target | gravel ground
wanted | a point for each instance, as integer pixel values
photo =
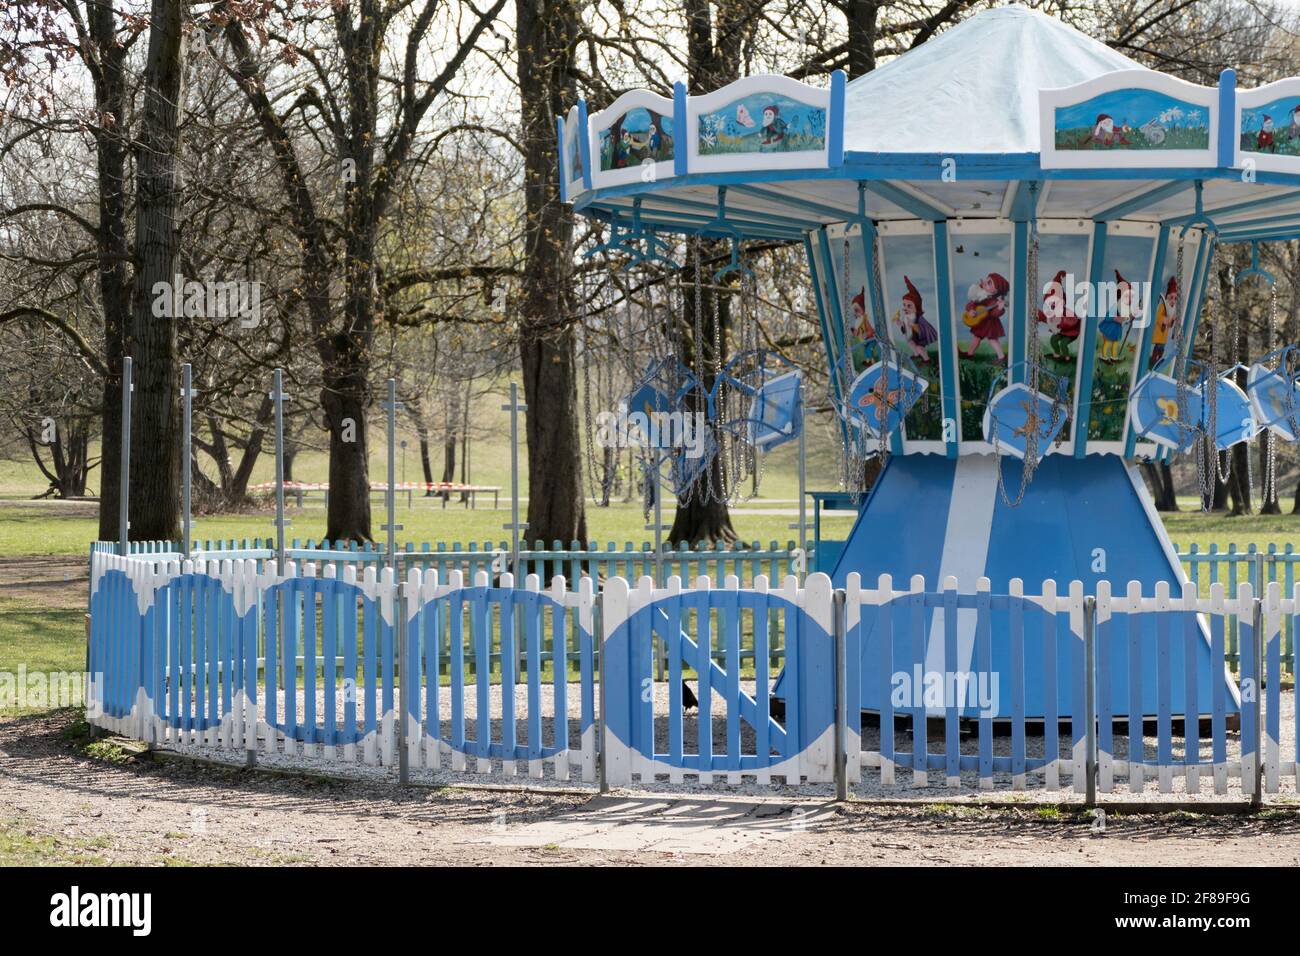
(142, 811)
(870, 786)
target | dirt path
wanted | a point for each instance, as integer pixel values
(56, 581)
(76, 808)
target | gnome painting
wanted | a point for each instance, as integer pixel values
(1272, 128)
(1062, 272)
(981, 299)
(911, 300)
(1137, 119)
(1123, 310)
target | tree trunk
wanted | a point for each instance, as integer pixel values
(556, 509)
(448, 460)
(862, 16)
(1220, 501)
(151, 341)
(422, 432)
(1161, 479)
(344, 399)
(1239, 489)
(113, 247)
(702, 516)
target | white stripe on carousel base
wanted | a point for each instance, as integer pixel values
(965, 555)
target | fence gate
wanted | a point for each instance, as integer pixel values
(708, 634)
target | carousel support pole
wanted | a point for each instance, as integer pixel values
(802, 524)
(278, 396)
(390, 491)
(390, 406)
(515, 527)
(187, 396)
(124, 490)
(656, 489)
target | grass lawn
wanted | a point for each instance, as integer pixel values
(25, 529)
(41, 639)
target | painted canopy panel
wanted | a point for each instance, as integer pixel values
(1132, 119)
(762, 123)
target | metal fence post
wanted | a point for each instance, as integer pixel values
(392, 527)
(1090, 696)
(403, 687)
(278, 396)
(802, 524)
(838, 615)
(656, 486)
(124, 492)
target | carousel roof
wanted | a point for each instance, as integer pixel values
(974, 88)
(1011, 114)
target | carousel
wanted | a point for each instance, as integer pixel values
(1010, 232)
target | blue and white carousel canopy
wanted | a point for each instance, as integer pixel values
(960, 127)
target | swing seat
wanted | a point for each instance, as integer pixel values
(1275, 400)
(653, 410)
(881, 396)
(1234, 417)
(1006, 420)
(684, 465)
(1155, 412)
(776, 411)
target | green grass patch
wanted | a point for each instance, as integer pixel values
(20, 846)
(37, 640)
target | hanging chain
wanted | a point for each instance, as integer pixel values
(1033, 352)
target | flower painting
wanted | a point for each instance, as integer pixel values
(762, 123)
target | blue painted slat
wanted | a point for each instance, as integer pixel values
(1051, 677)
(1016, 640)
(480, 614)
(311, 587)
(370, 664)
(272, 612)
(1218, 693)
(703, 660)
(330, 599)
(509, 664)
(456, 631)
(1164, 693)
(673, 608)
(560, 675)
(984, 668)
(1191, 706)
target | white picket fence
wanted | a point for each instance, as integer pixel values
(1120, 691)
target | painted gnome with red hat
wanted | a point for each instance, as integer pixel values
(916, 328)
(1062, 323)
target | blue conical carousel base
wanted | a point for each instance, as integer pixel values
(1087, 519)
